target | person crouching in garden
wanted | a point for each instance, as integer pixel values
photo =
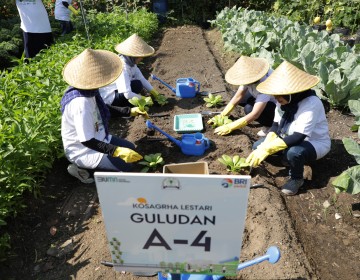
(300, 132)
(131, 83)
(247, 73)
(84, 124)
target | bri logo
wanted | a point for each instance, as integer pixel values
(236, 183)
(227, 183)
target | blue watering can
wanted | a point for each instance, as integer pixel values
(185, 87)
(191, 144)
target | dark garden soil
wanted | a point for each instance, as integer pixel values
(61, 235)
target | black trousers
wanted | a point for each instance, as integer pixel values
(35, 42)
(121, 101)
(66, 27)
(266, 118)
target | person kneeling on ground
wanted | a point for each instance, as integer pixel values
(131, 83)
(300, 129)
(84, 123)
(248, 72)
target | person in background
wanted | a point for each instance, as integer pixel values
(300, 132)
(247, 73)
(131, 82)
(62, 14)
(84, 123)
(35, 25)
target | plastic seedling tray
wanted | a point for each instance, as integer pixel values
(188, 123)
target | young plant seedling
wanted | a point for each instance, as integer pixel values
(220, 120)
(143, 103)
(152, 161)
(235, 164)
(213, 100)
(161, 99)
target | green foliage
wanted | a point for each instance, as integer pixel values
(349, 180)
(143, 103)
(201, 11)
(152, 162)
(220, 120)
(214, 100)
(10, 41)
(235, 164)
(258, 34)
(354, 106)
(342, 13)
(161, 99)
(30, 94)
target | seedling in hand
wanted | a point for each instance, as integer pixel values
(220, 120)
(143, 103)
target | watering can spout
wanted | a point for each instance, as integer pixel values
(150, 125)
(165, 84)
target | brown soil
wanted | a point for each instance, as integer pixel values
(313, 243)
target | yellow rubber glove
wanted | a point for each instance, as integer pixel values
(74, 11)
(264, 150)
(127, 154)
(154, 93)
(227, 128)
(135, 111)
(269, 137)
(225, 112)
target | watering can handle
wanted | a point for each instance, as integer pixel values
(207, 143)
(198, 85)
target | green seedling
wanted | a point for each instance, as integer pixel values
(161, 99)
(213, 100)
(235, 164)
(143, 103)
(220, 120)
(152, 161)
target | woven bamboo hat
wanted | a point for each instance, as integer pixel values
(287, 79)
(135, 46)
(92, 69)
(247, 70)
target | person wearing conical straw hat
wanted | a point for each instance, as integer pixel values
(84, 123)
(247, 73)
(300, 132)
(131, 83)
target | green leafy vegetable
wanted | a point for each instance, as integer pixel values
(220, 120)
(152, 161)
(213, 100)
(161, 99)
(143, 103)
(235, 164)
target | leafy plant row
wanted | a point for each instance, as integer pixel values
(342, 13)
(256, 33)
(29, 105)
(349, 180)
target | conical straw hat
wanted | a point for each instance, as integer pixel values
(135, 46)
(247, 70)
(92, 69)
(287, 79)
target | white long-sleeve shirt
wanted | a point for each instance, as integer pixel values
(33, 15)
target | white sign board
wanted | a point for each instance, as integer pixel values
(180, 223)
